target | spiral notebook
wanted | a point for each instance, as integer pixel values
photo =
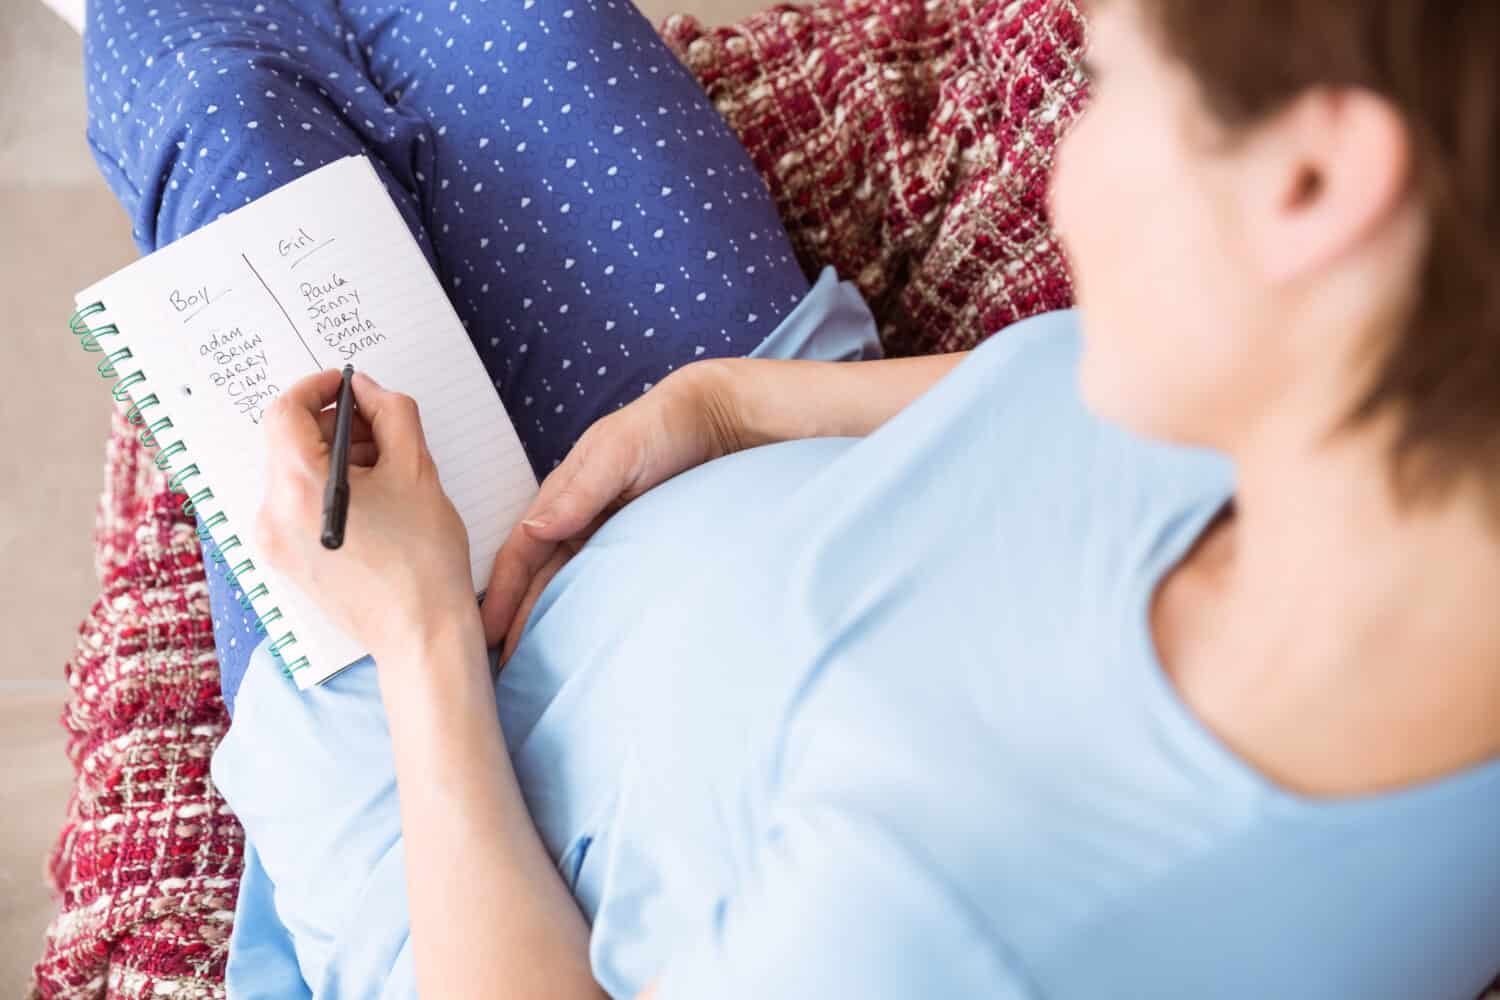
(199, 337)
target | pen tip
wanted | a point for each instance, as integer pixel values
(348, 370)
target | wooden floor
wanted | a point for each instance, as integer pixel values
(59, 230)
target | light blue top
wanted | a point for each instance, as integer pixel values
(884, 719)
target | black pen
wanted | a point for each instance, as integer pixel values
(336, 493)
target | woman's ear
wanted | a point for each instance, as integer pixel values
(1328, 173)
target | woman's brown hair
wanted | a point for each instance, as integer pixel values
(1438, 63)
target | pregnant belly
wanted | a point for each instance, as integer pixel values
(649, 648)
(716, 504)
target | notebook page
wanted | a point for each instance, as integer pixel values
(319, 273)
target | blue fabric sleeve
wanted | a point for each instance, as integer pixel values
(323, 898)
(265, 968)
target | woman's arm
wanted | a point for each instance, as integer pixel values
(769, 400)
(489, 914)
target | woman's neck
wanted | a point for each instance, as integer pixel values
(1339, 643)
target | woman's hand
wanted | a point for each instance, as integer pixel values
(403, 569)
(685, 420)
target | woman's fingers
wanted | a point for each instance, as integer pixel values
(395, 425)
(363, 453)
(544, 575)
(291, 422)
(604, 461)
(523, 552)
(359, 428)
(510, 615)
(586, 483)
(301, 422)
(556, 481)
(520, 558)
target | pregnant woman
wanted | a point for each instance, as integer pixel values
(1144, 652)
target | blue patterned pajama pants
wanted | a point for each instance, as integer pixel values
(592, 218)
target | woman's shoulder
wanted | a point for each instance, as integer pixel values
(1050, 341)
(1020, 397)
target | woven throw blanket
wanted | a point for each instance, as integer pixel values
(907, 142)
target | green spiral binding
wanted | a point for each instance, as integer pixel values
(121, 388)
(148, 435)
(88, 337)
(182, 475)
(190, 505)
(133, 414)
(108, 368)
(163, 459)
(106, 365)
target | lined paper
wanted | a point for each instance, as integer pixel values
(317, 274)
